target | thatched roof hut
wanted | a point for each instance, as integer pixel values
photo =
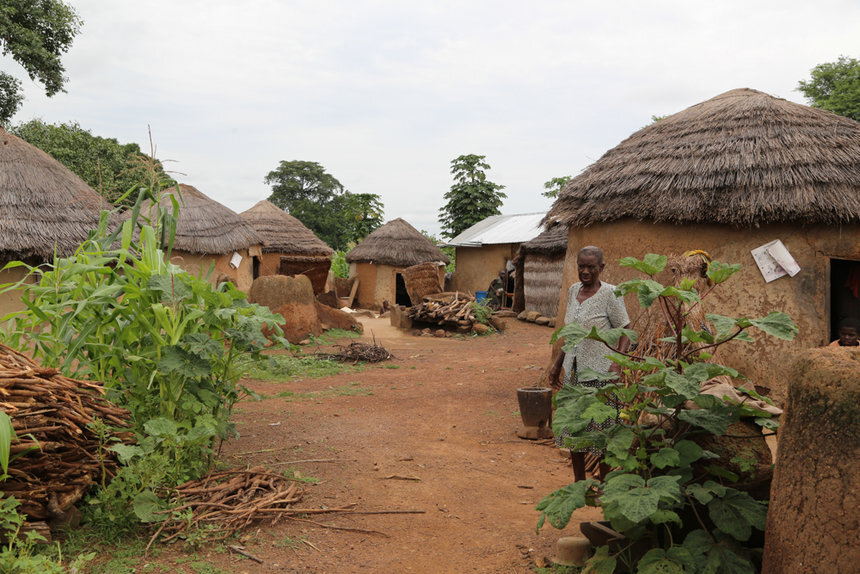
(209, 233)
(727, 176)
(396, 243)
(289, 248)
(539, 267)
(44, 206)
(206, 226)
(743, 158)
(283, 233)
(377, 263)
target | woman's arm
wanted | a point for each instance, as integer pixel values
(554, 373)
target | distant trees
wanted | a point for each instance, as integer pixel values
(554, 186)
(317, 199)
(471, 198)
(835, 86)
(109, 167)
(36, 35)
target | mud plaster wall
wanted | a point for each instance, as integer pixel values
(804, 297)
(813, 525)
(11, 300)
(377, 283)
(194, 262)
(476, 267)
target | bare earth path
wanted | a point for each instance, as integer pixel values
(434, 431)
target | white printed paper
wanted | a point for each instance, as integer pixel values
(774, 261)
(235, 260)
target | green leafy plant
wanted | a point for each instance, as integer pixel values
(482, 312)
(677, 505)
(339, 265)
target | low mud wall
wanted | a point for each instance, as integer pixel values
(813, 525)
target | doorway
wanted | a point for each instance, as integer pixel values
(844, 293)
(401, 295)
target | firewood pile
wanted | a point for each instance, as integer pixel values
(445, 309)
(355, 352)
(62, 455)
(227, 501)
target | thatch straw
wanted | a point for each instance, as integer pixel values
(542, 279)
(553, 241)
(396, 243)
(283, 233)
(741, 158)
(43, 204)
(207, 227)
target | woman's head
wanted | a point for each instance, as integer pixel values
(849, 332)
(589, 263)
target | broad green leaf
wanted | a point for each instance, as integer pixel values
(725, 326)
(126, 452)
(569, 413)
(572, 333)
(713, 422)
(656, 561)
(688, 451)
(767, 423)
(721, 472)
(688, 297)
(705, 492)
(737, 513)
(701, 372)
(635, 504)
(558, 506)
(619, 441)
(586, 374)
(599, 412)
(601, 562)
(719, 272)
(665, 457)
(7, 435)
(176, 360)
(664, 516)
(681, 384)
(612, 336)
(651, 264)
(777, 324)
(147, 506)
(160, 426)
(692, 336)
(666, 487)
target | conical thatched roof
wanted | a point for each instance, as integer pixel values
(741, 158)
(283, 233)
(396, 243)
(551, 241)
(207, 227)
(43, 204)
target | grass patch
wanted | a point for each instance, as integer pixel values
(286, 367)
(333, 335)
(350, 390)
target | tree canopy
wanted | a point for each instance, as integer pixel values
(835, 87)
(36, 33)
(109, 167)
(554, 186)
(471, 198)
(317, 199)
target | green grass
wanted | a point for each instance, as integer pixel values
(285, 367)
(350, 390)
(333, 335)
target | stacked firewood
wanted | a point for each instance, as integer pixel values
(445, 309)
(58, 454)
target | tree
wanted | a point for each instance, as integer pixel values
(472, 197)
(106, 165)
(320, 202)
(554, 186)
(835, 87)
(36, 33)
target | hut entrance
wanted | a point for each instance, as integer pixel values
(255, 267)
(844, 293)
(401, 295)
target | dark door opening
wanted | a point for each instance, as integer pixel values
(255, 267)
(844, 293)
(401, 295)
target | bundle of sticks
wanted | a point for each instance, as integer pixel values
(355, 352)
(451, 309)
(57, 456)
(227, 501)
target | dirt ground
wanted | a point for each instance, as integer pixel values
(433, 431)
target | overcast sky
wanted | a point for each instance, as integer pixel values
(384, 94)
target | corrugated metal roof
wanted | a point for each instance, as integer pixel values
(501, 229)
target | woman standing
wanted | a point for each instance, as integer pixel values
(591, 303)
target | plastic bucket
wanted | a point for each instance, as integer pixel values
(481, 296)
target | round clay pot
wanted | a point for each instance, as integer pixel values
(535, 406)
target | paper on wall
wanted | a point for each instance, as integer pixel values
(235, 260)
(774, 261)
